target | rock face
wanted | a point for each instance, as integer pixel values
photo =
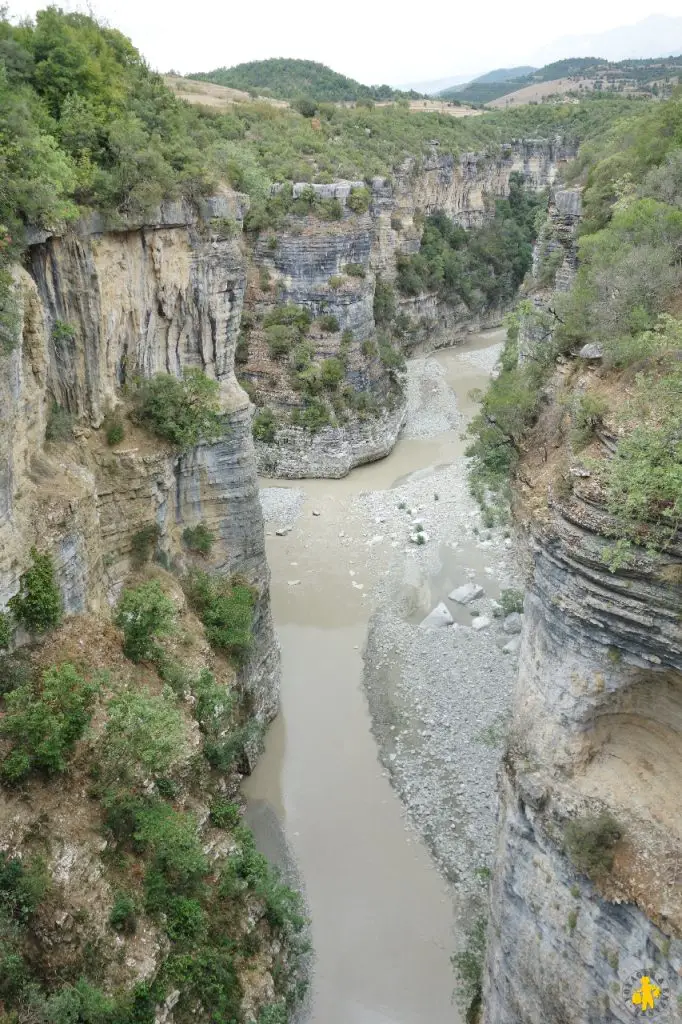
(597, 730)
(100, 308)
(306, 264)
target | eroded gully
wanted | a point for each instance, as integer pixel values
(382, 914)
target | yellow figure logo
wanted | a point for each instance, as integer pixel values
(646, 995)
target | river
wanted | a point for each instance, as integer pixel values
(382, 914)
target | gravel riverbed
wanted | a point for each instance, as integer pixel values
(440, 698)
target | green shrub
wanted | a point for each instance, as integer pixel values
(114, 431)
(264, 279)
(305, 106)
(511, 601)
(23, 884)
(328, 323)
(301, 357)
(265, 425)
(16, 670)
(468, 965)
(144, 736)
(226, 609)
(172, 840)
(328, 209)
(355, 270)
(123, 915)
(144, 613)
(587, 416)
(185, 918)
(199, 538)
(213, 704)
(281, 339)
(589, 842)
(331, 373)
(59, 426)
(396, 222)
(384, 302)
(62, 333)
(38, 605)
(6, 634)
(358, 200)
(313, 417)
(143, 543)
(225, 814)
(183, 410)
(391, 357)
(335, 281)
(45, 720)
(369, 348)
(285, 327)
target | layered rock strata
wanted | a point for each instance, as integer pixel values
(597, 731)
(306, 264)
(98, 309)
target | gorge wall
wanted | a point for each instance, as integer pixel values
(159, 297)
(308, 262)
(597, 729)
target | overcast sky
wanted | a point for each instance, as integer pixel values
(374, 42)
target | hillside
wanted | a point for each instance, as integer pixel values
(287, 78)
(645, 77)
(503, 75)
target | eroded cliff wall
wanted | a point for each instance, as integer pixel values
(159, 297)
(597, 730)
(307, 263)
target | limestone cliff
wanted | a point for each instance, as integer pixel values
(308, 262)
(597, 730)
(162, 296)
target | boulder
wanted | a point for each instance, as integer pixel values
(513, 624)
(513, 646)
(591, 351)
(440, 616)
(480, 622)
(466, 594)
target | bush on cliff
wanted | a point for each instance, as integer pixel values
(590, 842)
(44, 720)
(265, 426)
(183, 410)
(38, 605)
(226, 607)
(144, 613)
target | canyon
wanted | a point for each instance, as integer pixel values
(595, 716)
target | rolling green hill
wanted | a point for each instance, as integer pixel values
(287, 78)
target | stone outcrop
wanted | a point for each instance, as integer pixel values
(99, 308)
(597, 730)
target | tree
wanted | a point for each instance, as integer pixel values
(38, 605)
(144, 613)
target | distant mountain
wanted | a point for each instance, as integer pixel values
(654, 76)
(659, 35)
(503, 75)
(436, 85)
(287, 78)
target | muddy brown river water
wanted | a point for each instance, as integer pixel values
(382, 915)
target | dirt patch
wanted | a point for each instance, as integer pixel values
(207, 94)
